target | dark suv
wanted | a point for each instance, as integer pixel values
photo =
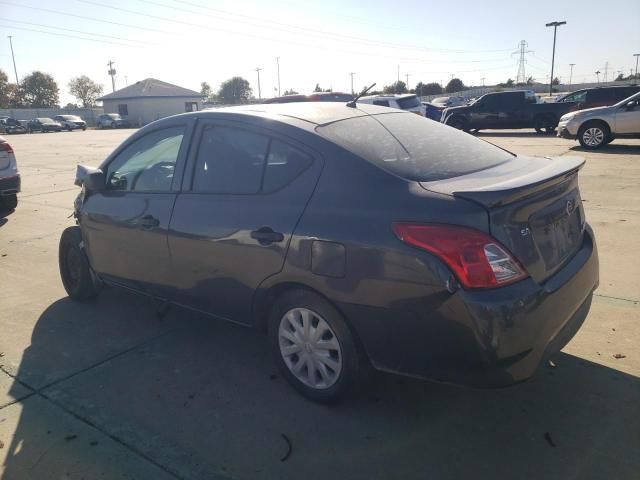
(353, 236)
(599, 96)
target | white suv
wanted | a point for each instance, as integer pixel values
(408, 101)
(9, 177)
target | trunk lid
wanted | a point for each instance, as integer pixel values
(534, 208)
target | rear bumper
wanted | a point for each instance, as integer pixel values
(488, 338)
(10, 185)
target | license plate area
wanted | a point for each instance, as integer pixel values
(558, 229)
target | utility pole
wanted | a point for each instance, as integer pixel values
(15, 70)
(598, 74)
(407, 84)
(635, 55)
(555, 26)
(571, 74)
(522, 77)
(112, 72)
(606, 72)
(398, 73)
(351, 74)
(482, 80)
(278, 65)
(259, 92)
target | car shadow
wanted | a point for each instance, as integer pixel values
(203, 399)
(3, 216)
(612, 148)
(524, 133)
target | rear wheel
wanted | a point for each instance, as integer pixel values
(8, 202)
(314, 347)
(594, 135)
(545, 124)
(113, 124)
(75, 271)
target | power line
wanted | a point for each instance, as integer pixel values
(70, 36)
(83, 17)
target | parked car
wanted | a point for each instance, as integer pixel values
(9, 177)
(595, 127)
(112, 120)
(71, 122)
(314, 97)
(435, 107)
(407, 102)
(599, 96)
(10, 125)
(44, 125)
(515, 109)
(353, 236)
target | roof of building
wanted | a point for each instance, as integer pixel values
(151, 88)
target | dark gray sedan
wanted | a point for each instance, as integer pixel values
(355, 237)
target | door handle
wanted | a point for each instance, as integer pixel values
(266, 236)
(148, 222)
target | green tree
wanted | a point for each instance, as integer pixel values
(428, 88)
(318, 88)
(40, 90)
(396, 87)
(205, 90)
(290, 92)
(454, 85)
(85, 90)
(620, 78)
(530, 81)
(234, 91)
(5, 90)
(556, 81)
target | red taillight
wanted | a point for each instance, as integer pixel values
(4, 146)
(476, 259)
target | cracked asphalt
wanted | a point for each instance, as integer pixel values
(110, 390)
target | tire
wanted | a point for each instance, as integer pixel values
(339, 364)
(113, 124)
(458, 122)
(77, 278)
(8, 203)
(593, 135)
(545, 125)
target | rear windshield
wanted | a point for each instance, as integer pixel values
(408, 102)
(414, 147)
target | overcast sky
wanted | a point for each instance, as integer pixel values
(189, 41)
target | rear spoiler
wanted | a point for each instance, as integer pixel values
(509, 182)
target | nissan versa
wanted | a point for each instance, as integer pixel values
(355, 236)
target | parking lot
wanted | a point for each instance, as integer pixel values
(110, 389)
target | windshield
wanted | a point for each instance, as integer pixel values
(70, 117)
(414, 147)
(45, 120)
(408, 102)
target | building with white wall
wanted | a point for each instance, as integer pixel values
(151, 99)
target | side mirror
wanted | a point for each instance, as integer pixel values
(631, 105)
(91, 178)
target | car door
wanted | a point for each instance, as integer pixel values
(244, 191)
(485, 114)
(628, 118)
(125, 225)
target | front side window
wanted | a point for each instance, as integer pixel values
(576, 97)
(147, 164)
(382, 103)
(408, 102)
(229, 161)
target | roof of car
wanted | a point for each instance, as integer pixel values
(313, 113)
(391, 95)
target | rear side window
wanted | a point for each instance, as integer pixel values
(230, 161)
(414, 147)
(284, 164)
(601, 95)
(382, 103)
(408, 102)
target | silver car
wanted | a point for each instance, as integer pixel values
(595, 127)
(9, 177)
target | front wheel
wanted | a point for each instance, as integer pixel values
(545, 125)
(77, 278)
(113, 124)
(314, 347)
(8, 203)
(458, 123)
(593, 135)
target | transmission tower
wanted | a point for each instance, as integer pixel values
(522, 51)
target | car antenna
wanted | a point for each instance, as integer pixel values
(352, 103)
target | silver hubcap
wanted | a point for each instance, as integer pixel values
(310, 348)
(593, 136)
